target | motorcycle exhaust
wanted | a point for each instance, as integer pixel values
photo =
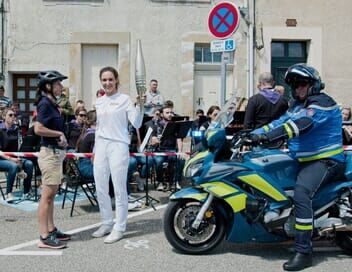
(335, 228)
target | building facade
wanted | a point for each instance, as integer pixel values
(78, 37)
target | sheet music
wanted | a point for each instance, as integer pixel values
(145, 140)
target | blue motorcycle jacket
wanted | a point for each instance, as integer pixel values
(313, 129)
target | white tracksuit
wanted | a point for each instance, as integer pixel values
(112, 154)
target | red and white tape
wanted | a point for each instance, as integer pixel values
(133, 154)
(87, 155)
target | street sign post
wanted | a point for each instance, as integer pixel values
(223, 21)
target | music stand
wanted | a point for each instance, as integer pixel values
(237, 123)
(178, 130)
(148, 199)
(179, 118)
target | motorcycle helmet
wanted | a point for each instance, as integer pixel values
(49, 77)
(302, 73)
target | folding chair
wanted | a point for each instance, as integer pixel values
(2, 192)
(76, 180)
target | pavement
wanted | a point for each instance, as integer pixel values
(144, 247)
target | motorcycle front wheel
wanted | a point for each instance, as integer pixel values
(177, 222)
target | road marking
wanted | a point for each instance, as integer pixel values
(30, 253)
(130, 245)
(75, 231)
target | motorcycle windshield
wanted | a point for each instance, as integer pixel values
(225, 117)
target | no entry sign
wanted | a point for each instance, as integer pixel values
(223, 20)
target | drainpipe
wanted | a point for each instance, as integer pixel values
(2, 10)
(251, 7)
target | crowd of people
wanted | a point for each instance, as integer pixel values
(114, 127)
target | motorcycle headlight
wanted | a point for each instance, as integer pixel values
(192, 170)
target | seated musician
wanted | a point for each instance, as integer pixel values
(9, 142)
(159, 144)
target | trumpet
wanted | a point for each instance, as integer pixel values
(140, 75)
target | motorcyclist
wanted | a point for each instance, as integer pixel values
(312, 126)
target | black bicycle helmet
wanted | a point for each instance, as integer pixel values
(303, 73)
(49, 77)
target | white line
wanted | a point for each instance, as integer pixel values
(74, 231)
(30, 253)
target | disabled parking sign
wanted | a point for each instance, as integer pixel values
(223, 20)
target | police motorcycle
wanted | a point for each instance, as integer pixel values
(249, 198)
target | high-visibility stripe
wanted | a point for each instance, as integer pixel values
(266, 128)
(323, 108)
(261, 184)
(304, 220)
(196, 157)
(303, 227)
(321, 150)
(237, 202)
(288, 130)
(294, 127)
(219, 188)
(321, 155)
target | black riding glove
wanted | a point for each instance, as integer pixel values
(257, 139)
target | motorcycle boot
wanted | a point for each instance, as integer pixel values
(299, 262)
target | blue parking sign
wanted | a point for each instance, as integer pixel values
(229, 45)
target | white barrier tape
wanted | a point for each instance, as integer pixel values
(89, 155)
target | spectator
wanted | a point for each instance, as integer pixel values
(79, 104)
(75, 127)
(31, 142)
(135, 161)
(154, 99)
(199, 120)
(153, 123)
(346, 125)
(280, 89)
(65, 105)
(9, 142)
(5, 102)
(346, 114)
(85, 144)
(22, 118)
(265, 106)
(100, 93)
(212, 113)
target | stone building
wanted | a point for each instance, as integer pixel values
(78, 37)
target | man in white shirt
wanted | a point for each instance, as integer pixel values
(154, 99)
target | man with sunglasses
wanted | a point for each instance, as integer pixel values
(75, 127)
(312, 126)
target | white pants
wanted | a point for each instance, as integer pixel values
(111, 157)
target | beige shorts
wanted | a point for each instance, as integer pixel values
(50, 164)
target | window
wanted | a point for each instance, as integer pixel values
(24, 91)
(283, 55)
(288, 49)
(202, 54)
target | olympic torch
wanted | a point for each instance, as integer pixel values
(140, 75)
